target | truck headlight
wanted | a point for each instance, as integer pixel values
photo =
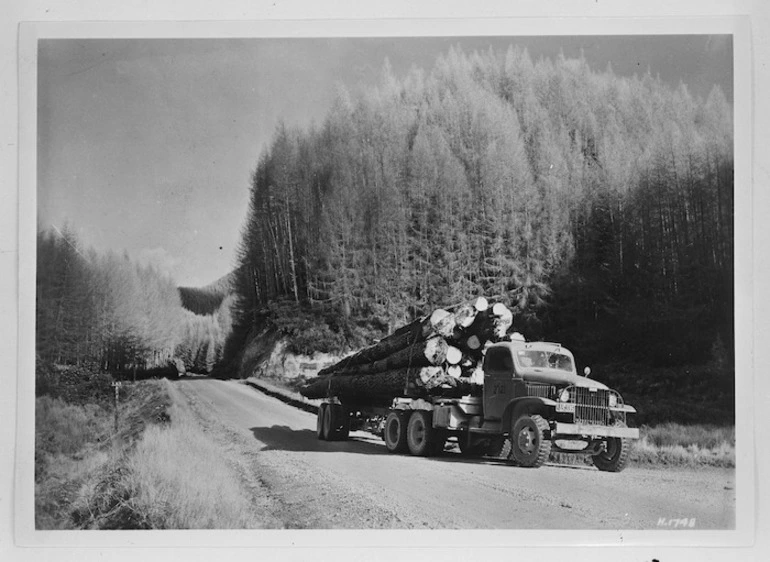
(564, 396)
(613, 400)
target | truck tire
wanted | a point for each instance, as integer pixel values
(319, 424)
(342, 423)
(419, 433)
(615, 457)
(529, 445)
(327, 424)
(395, 432)
(339, 422)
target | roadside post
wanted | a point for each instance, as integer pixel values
(117, 386)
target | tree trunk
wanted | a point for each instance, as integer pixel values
(420, 354)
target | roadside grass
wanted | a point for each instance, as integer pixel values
(672, 444)
(159, 471)
(178, 478)
(78, 454)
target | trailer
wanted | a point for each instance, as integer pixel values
(531, 402)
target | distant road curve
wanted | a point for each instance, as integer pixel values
(306, 483)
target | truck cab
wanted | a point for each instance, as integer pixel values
(533, 392)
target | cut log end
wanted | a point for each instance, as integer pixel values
(465, 316)
(453, 355)
(481, 304)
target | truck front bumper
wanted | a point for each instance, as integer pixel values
(566, 429)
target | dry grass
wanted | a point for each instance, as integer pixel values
(672, 444)
(78, 456)
(152, 474)
(178, 479)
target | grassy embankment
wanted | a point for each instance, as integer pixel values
(158, 471)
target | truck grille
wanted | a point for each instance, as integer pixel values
(540, 390)
(590, 407)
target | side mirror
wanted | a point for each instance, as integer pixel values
(587, 371)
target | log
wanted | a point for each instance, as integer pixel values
(440, 322)
(399, 382)
(465, 316)
(453, 355)
(481, 304)
(421, 354)
(454, 371)
(473, 342)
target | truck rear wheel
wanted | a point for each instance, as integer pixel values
(615, 457)
(395, 432)
(319, 424)
(529, 445)
(419, 433)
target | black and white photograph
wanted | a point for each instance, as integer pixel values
(386, 285)
(400, 283)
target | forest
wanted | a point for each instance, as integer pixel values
(106, 313)
(598, 207)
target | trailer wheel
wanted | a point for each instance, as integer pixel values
(395, 432)
(419, 433)
(615, 457)
(529, 444)
(342, 423)
(327, 429)
(319, 424)
(338, 424)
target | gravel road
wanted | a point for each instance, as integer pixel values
(301, 482)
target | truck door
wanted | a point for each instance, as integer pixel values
(498, 381)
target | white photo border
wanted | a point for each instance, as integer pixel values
(738, 27)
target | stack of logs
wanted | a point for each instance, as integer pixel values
(439, 355)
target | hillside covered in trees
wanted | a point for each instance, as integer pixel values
(598, 207)
(107, 313)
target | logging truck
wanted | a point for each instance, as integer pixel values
(530, 402)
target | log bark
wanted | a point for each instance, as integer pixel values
(440, 323)
(399, 382)
(421, 354)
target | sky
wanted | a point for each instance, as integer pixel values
(147, 145)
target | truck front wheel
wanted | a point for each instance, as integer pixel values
(395, 432)
(615, 457)
(419, 433)
(529, 444)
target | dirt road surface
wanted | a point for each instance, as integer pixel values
(304, 483)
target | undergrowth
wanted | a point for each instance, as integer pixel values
(672, 444)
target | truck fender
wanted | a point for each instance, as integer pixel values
(528, 404)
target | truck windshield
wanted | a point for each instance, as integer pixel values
(544, 360)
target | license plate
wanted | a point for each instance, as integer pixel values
(565, 407)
